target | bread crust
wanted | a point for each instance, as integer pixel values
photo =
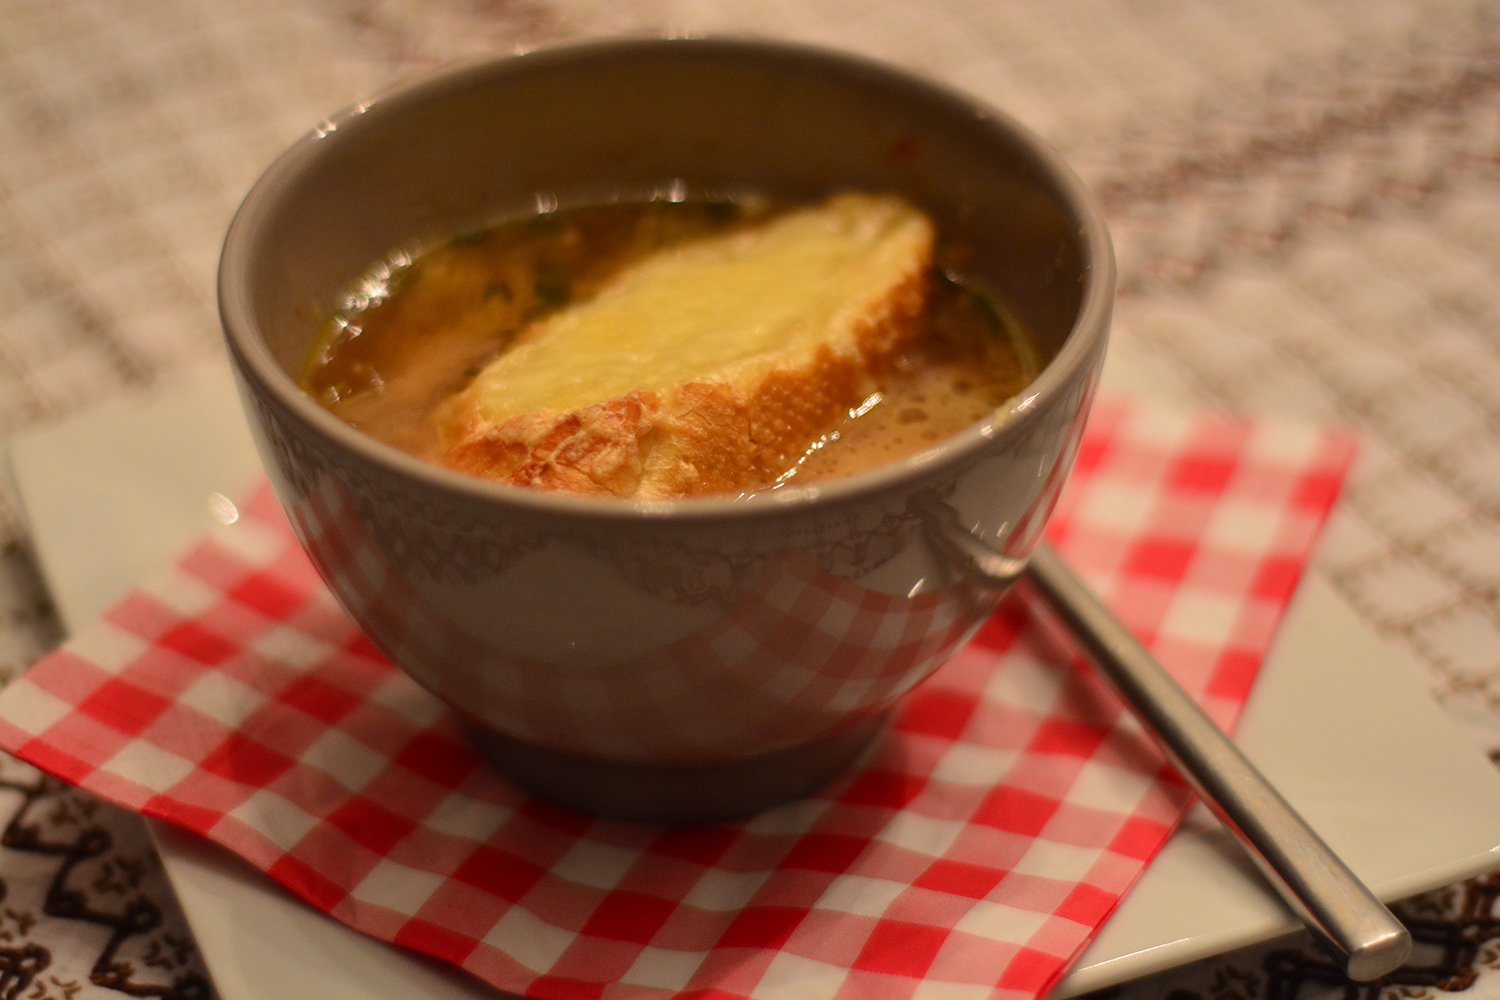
(696, 438)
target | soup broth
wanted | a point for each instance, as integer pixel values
(420, 326)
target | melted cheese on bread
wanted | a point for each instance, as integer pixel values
(708, 367)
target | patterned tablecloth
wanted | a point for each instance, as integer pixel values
(1305, 200)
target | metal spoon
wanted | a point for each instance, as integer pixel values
(1329, 898)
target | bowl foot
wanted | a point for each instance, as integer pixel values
(677, 794)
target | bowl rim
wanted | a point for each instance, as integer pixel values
(253, 358)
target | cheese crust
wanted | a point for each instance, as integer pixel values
(707, 368)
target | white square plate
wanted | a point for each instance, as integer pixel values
(1344, 728)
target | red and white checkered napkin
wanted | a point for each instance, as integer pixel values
(974, 855)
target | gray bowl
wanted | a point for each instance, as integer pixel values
(690, 659)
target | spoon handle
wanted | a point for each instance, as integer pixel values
(1328, 897)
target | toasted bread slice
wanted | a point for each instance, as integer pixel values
(707, 368)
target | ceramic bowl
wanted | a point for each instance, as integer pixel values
(691, 659)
